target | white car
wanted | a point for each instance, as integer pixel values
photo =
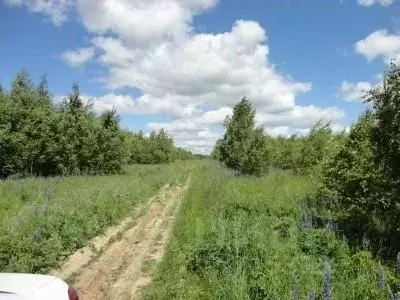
(15, 286)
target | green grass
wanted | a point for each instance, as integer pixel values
(242, 238)
(42, 220)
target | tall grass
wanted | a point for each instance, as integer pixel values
(252, 238)
(44, 219)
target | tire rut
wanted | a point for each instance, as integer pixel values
(117, 271)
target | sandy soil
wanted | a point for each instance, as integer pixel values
(116, 265)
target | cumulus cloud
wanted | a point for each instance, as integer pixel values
(353, 92)
(203, 69)
(380, 43)
(195, 78)
(56, 10)
(369, 3)
(78, 57)
(141, 21)
(301, 117)
(128, 105)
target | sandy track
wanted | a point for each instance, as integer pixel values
(113, 267)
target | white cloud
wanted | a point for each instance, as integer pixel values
(353, 92)
(301, 117)
(369, 3)
(56, 10)
(203, 69)
(380, 43)
(79, 57)
(125, 104)
(141, 21)
(151, 45)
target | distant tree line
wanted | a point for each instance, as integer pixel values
(43, 138)
(249, 150)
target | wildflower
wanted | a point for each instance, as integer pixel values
(38, 233)
(12, 262)
(48, 192)
(327, 282)
(20, 222)
(365, 242)
(331, 225)
(312, 296)
(382, 278)
(307, 221)
(295, 288)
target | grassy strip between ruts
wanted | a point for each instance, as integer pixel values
(246, 238)
(42, 220)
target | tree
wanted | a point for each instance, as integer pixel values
(315, 148)
(385, 133)
(242, 147)
(351, 178)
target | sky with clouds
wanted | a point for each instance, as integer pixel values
(183, 64)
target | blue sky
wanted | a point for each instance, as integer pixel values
(183, 64)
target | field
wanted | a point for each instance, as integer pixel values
(232, 237)
(255, 238)
(44, 220)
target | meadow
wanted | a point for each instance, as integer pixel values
(43, 220)
(262, 238)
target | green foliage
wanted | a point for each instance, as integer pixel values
(241, 238)
(40, 138)
(315, 148)
(365, 174)
(362, 180)
(155, 149)
(242, 148)
(385, 135)
(43, 220)
(304, 154)
(351, 176)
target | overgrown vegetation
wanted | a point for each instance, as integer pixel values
(362, 181)
(342, 241)
(44, 220)
(260, 238)
(38, 137)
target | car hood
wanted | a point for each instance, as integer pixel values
(31, 285)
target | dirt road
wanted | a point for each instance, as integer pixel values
(114, 265)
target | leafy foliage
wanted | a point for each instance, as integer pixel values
(250, 151)
(242, 147)
(362, 181)
(38, 137)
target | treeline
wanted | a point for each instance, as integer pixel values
(249, 150)
(358, 171)
(43, 138)
(157, 148)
